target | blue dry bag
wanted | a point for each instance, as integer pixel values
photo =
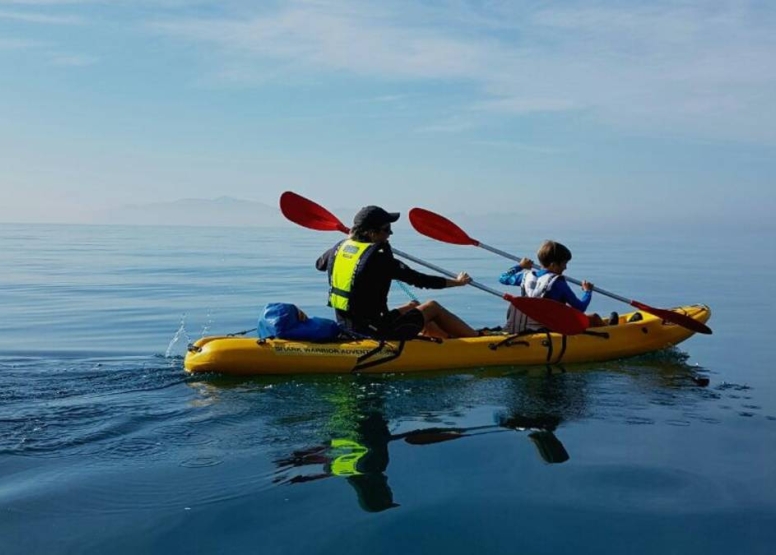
(282, 320)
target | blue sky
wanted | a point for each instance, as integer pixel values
(658, 110)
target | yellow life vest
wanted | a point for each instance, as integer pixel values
(348, 260)
(348, 453)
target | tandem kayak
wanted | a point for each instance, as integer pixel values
(251, 356)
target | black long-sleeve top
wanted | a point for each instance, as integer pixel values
(369, 294)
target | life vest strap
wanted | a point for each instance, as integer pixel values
(362, 365)
(339, 292)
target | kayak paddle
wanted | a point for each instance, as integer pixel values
(548, 445)
(440, 228)
(553, 315)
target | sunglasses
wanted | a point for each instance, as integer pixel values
(387, 229)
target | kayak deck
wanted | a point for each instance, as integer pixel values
(252, 356)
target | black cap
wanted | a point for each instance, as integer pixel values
(373, 217)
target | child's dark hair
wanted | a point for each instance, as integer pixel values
(550, 252)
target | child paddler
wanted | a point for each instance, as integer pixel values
(361, 269)
(548, 283)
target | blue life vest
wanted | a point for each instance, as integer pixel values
(282, 321)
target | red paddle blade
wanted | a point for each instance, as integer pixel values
(438, 227)
(554, 315)
(308, 214)
(674, 317)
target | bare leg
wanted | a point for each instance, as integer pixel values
(445, 321)
(407, 307)
(432, 330)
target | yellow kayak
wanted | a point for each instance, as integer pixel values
(252, 356)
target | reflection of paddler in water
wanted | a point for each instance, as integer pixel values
(359, 453)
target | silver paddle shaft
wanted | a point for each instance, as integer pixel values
(571, 279)
(446, 272)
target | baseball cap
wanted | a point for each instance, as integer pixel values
(373, 217)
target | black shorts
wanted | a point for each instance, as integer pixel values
(400, 326)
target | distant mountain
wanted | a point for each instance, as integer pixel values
(222, 211)
(234, 212)
(228, 211)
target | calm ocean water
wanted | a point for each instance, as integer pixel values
(107, 445)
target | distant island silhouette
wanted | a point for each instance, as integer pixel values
(235, 212)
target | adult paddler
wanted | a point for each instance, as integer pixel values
(361, 269)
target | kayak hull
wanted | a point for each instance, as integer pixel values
(251, 356)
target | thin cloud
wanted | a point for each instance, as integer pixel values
(455, 124)
(19, 44)
(48, 2)
(41, 18)
(700, 67)
(521, 105)
(512, 145)
(390, 98)
(73, 60)
(353, 40)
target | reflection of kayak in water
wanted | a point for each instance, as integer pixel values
(249, 356)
